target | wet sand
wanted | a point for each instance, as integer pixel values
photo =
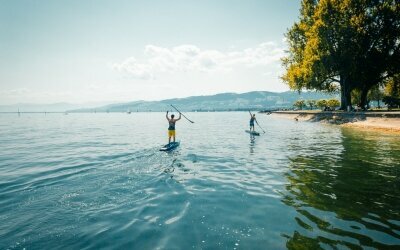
(376, 121)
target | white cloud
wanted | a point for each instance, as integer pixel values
(190, 58)
(134, 68)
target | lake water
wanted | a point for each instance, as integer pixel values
(98, 181)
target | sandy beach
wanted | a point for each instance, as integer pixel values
(377, 121)
(380, 124)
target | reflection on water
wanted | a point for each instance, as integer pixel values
(252, 143)
(347, 196)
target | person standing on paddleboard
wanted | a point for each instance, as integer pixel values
(252, 120)
(171, 128)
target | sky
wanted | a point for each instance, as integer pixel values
(103, 51)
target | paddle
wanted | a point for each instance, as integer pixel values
(260, 127)
(181, 114)
(257, 123)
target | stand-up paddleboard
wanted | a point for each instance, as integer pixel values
(252, 132)
(170, 146)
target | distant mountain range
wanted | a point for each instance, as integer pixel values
(256, 100)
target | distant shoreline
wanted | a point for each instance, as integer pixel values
(384, 121)
(125, 112)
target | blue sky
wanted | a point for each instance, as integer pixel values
(114, 51)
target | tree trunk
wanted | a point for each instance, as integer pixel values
(342, 97)
(364, 96)
(348, 98)
(345, 94)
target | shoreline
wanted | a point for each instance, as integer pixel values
(374, 121)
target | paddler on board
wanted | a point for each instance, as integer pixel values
(252, 120)
(171, 127)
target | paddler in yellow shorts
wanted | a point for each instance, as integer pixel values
(171, 128)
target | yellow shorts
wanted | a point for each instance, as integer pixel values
(171, 133)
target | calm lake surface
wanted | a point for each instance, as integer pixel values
(98, 181)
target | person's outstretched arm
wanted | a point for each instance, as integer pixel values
(180, 116)
(250, 114)
(166, 116)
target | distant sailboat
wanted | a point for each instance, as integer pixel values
(128, 112)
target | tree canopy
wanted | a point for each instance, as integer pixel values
(343, 45)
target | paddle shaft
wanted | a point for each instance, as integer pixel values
(182, 114)
(260, 127)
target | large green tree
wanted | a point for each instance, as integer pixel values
(350, 44)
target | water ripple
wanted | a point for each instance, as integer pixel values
(98, 181)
